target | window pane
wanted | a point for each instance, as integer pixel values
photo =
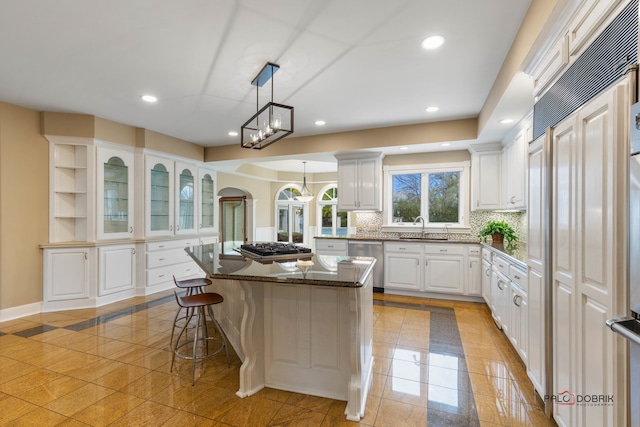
(406, 197)
(443, 196)
(341, 227)
(283, 224)
(298, 224)
(327, 220)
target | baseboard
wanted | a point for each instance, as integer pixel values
(12, 313)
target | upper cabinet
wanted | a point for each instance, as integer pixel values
(207, 182)
(514, 158)
(179, 198)
(486, 177)
(71, 196)
(360, 181)
(159, 196)
(186, 185)
(115, 206)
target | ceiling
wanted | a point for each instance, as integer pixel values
(355, 64)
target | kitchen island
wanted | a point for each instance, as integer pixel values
(301, 324)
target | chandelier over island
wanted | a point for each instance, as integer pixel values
(271, 122)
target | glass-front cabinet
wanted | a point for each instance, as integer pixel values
(207, 200)
(159, 196)
(115, 194)
(186, 195)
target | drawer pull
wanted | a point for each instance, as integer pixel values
(188, 269)
(500, 265)
(160, 259)
(160, 275)
(517, 277)
(443, 250)
(161, 246)
(330, 246)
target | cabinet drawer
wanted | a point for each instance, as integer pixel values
(161, 246)
(168, 257)
(331, 245)
(501, 265)
(447, 249)
(518, 276)
(487, 255)
(408, 248)
(474, 250)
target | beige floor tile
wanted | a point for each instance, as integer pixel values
(213, 404)
(251, 411)
(377, 384)
(274, 394)
(121, 376)
(383, 336)
(410, 340)
(187, 419)
(38, 417)
(12, 408)
(29, 381)
(290, 415)
(381, 365)
(146, 414)
(314, 403)
(79, 399)
(406, 391)
(108, 410)
(11, 369)
(409, 370)
(50, 391)
(95, 370)
(398, 414)
(148, 385)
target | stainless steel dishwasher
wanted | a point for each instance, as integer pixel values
(374, 250)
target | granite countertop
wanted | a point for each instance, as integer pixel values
(375, 238)
(516, 252)
(302, 269)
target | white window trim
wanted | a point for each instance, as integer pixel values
(461, 227)
(320, 203)
(278, 203)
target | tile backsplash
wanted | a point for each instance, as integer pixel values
(369, 224)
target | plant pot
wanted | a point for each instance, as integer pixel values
(497, 238)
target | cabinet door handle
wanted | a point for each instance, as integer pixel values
(515, 300)
(85, 256)
(512, 200)
(177, 228)
(171, 228)
(200, 225)
(487, 272)
(130, 229)
(133, 251)
(499, 283)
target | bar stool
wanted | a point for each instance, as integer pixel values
(192, 286)
(201, 304)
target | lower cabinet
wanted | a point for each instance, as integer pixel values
(499, 299)
(474, 276)
(166, 259)
(402, 266)
(486, 280)
(117, 269)
(68, 274)
(517, 331)
(444, 272)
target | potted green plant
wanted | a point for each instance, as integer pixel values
(498, 230)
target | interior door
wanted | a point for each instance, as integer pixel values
(233, 213)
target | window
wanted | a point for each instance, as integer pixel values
(332, 222)
(436, 192)
(290, 216)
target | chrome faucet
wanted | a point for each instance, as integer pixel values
(446, 227)
(415, 220)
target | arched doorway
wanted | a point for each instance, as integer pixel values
(235, 219)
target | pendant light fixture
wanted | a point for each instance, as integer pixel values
(271, 122)
(306, 195)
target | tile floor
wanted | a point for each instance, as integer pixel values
(437, 363)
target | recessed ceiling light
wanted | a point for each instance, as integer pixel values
(320, 122)
(445, 144)
(432, 42)
(149, 98)
(233, 133)
(432, 109)
(403, 148)
(506, 121)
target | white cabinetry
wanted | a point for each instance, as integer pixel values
(486, 280)
(486, 177)
(402, 266)
(499, 298)
(166, 259)
(474, 278)
(514, 160)
(208, 201)
(186, 198)
(589, 186)
(590, 16)
(115, 207)
(71, 197)
(518, 311)
(116, 269)
(444, 268)
(334, 247)
(159, 195)
(360, 181)
(67, 274)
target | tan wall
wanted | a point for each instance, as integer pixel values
(107, 130)
(258, 189)
(24, 205)
(454, 130)
(426, 158)
(168, 144)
